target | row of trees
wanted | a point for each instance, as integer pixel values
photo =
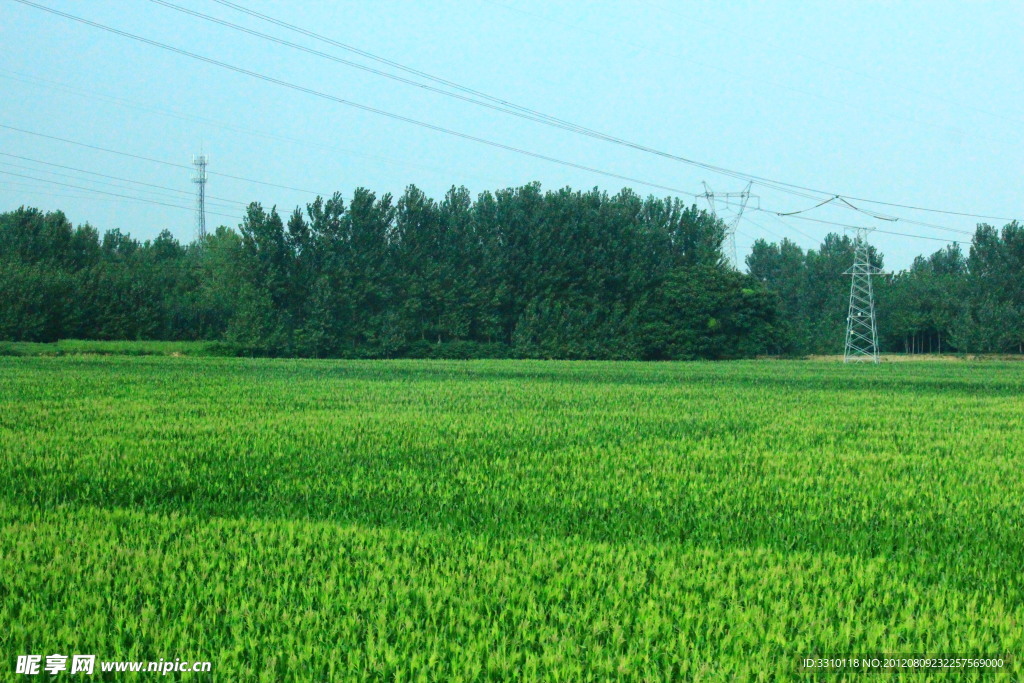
(518, 272)
(946, 302)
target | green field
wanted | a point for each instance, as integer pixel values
(503, 520)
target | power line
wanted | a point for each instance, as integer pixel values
(794, 213)
(43, 190)
(857, 227)
(112, 194)
(389, 114)
(769, 212)
(14, 186)
(349, 103)
(604, 37)
(161, 195)
(921, 208)
(111, 177)
(767, 182)
(762, 228)
(876, 216)
(497, 105)
(747, 218)
(151, 159)
(35, 169)
(120, 101)
(389, 62)
(847, 225)
(789, 227)
(906, 234)
(176, 206)
(503, 105)
(841, 202)
(533, 114)
(757, 179)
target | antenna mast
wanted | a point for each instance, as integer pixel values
(199, 162)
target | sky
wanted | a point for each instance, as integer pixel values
(916, 103)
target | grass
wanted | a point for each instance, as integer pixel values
(931, 357)
(432, 520)
(84, 347)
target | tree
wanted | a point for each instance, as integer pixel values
(521, 271)
(263, 321)
(710, 312)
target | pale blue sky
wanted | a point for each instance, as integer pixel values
(913, 102)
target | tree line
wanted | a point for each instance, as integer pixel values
(519, 272)
(946, 302)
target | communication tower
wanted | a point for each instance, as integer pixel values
(199, 161)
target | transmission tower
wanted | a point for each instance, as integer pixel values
(730, 228)
(861, 328)
(200, 161)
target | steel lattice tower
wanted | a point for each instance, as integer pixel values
(200, 161)
(730, 228)
(861, 328)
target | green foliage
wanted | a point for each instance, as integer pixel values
(944, 302)
(35, 299)
(550, 275)
(710, 313)
(522, 272)
(993, 317)
(812, 290)
(526, 520)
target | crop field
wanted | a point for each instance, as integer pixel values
(509, 520)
